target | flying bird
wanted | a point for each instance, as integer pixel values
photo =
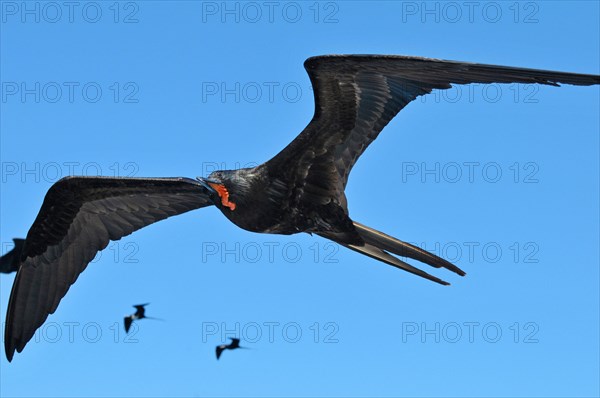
(301, 189)
(235, 343)
(140, 312)
(11, 260)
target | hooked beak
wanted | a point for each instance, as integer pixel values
(206, 183)
(217, 191)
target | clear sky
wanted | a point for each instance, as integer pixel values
(502, 180)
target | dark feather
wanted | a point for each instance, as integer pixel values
(140, 310)
(78, 218)
(403, 249)
(128, 321)
(220, 350)
(235, 343)
(10, 261)
(356, 96)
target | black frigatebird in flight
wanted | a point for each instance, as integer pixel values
(235, 343)
(140, 313)
(301, 189)
(11, 260)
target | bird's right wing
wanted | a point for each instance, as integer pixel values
(140, 309)
(78, 218)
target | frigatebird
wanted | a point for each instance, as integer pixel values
(140, 312)
(301, 189)
(11, 260)
(235, 343)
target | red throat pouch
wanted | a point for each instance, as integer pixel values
(224, 195)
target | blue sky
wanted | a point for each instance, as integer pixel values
(501, 180)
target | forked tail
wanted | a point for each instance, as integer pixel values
(377, 245)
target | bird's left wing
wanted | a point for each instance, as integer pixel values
(128, 320)
(219, 350)
(10, 261)
(78, 218)
(356, 96)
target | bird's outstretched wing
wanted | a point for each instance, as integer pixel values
(10, 261)
(140, 310)
(356, 96)
(219, 350)
(128, 320)
(78, 218)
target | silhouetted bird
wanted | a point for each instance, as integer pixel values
(139, 314)
(11, 260)
(301, 189)
(235, 343)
